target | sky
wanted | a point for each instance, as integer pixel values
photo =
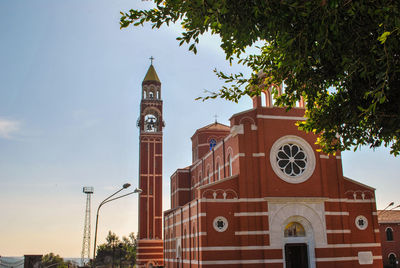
(70, 88)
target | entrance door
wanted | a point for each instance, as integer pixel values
(296, 255)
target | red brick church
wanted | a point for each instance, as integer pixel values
(259, 194)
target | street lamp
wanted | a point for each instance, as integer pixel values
(383, 211)
(109, 199)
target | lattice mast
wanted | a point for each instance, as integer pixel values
(86, 230)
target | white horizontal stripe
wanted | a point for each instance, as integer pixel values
(239, 214)
(338, 231)
(281, 117)
(258, 154)
(181, 237)
(350, 200)
(186, 220)
(336, 213)
(356, 245)
(376, 230)
(180, 189)
(251, 232)
(343, 259)
(338, 157)
(324, 156)
(235, 200)
(336, 200)
(242, 154)
(238, 248)
(230, 262)
(233, 248)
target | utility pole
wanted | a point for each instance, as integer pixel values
(86, 230)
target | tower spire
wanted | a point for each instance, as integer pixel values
(151, 74)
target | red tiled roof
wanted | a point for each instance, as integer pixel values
(214, 126)
(388, 215)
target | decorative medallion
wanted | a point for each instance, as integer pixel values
(292, 159)
(220, 224)
(361, 222)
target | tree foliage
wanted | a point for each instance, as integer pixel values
(53, 260)
(342, 57)
(118, 252)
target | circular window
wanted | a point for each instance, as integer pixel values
(361, 222)
(220, 224)
(292, 159)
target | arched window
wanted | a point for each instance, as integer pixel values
(151, 95)
(263, 99)
(392, 259)
(184, 244)
(144, 95)
(294, 229)
(389, 234)
(199, 180)
(218, 171)
(194, 243)
(208, 175)
(229, 165)
(158, 94)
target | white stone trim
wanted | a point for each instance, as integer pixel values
(355, 245)
(324, 156)
(237, 129)
(258, 154)
(346, 231)
(180, 189)
(236, 200)
(279, 117)
(251, 232)
(337, 213)
(253, 127)
(352, 258)
(346, 200)
(308, 214)
(230, 262)
(226, 262)
(239, 214)
(338, 157)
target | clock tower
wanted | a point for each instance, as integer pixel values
(150, 123)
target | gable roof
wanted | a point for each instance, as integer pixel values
(388, 216)
(213, 127)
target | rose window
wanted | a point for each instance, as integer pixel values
(220, 224)
(291, 159)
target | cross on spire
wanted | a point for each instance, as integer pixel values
(216, 116)
(151, 60)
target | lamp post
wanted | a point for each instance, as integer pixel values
(109, 199)
(383, 211)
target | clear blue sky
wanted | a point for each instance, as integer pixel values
(70, 84)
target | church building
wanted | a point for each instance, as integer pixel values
(259, 194)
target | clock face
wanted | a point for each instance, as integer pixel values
(150, 123)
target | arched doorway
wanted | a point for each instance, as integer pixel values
(296, 247)
(392, 260)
